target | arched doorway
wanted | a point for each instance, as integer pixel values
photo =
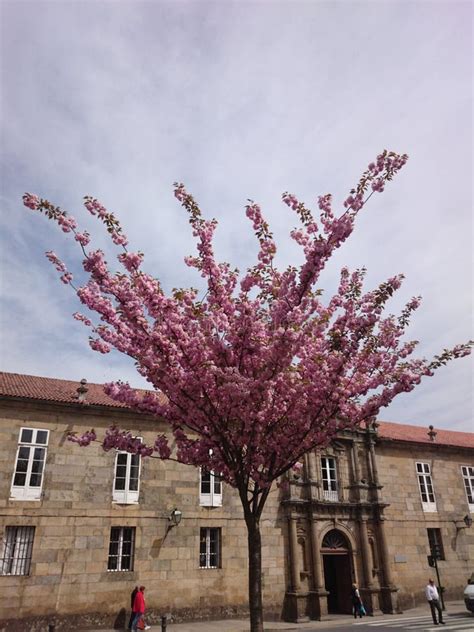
(337, 563)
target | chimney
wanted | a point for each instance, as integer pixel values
(82, 390)
(431, 433)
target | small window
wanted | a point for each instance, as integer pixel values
(210, 548)
(468, 477)
(121, 549)
(17, 549)
(126, 478)
(436, 543)
(210, 489)
(328, 468)
(29, 467)
(425, 483)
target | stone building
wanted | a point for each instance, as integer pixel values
(80, 527)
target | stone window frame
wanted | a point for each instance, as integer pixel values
(426, 487)
(467, 473)
(31, 445)
(209, 536)
(126, 496)
(332, 495)
(17, 550)
(210, 488)
(121, 541)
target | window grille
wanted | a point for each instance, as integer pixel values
(468, 477)
(17, 550)
(210, 548)
(30, 459)
(328, 468)
(121, 549)
(436, 543)
(425, 483)
(210, 489)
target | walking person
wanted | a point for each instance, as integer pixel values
(138, 608)
(432, 597)
(356, 602)
(132, 602)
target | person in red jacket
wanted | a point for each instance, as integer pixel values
(138, 608)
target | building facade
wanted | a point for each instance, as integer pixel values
(80, 527)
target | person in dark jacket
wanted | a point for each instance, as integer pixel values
(138, 608)
(132, 602)
(356, 602)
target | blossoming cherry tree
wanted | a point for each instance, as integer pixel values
(260, 370)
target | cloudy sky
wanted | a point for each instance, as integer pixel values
(238, 100)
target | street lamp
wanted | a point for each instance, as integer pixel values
(463, 523)
(174, 518)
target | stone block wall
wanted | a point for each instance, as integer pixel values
(69, 581)
(407, 523)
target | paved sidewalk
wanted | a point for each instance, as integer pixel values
(330, 621)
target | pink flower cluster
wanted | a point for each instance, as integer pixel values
(116, 439)
(250, 381)
(83, 319)
(31, 201)
(66, 277)
(83, 440)
(67, 223)
(83, 238)
(95, 207)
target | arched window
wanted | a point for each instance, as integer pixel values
(335, 542)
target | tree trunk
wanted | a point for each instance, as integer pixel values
(255, 573)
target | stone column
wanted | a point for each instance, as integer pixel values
(384, 554)
(319, 603)
(316, 557)
(312, 466)
(355, 463)
(373, 463)
(293, 540)
(296, 602)
(365, 550)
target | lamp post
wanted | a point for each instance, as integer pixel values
(174, 518)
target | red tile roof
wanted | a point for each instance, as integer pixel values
(65, 391)
(49, 389)
(419, 434)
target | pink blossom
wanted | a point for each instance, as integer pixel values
(131, 260)
(31, 201)
(119, 239)
(83, 319)
(378, 185)
(56, 261)
(82, 238)
(66, 278)
(83, 440)
(99, 345)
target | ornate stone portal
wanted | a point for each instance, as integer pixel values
(336, 533)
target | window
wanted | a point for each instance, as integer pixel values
(426, 486)
(30, 459)
(436, 543)
(210, 548)
(127, 478)
(210, 489)
(17, 548)
(468, 476)
(328, 467)
(121, 549)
